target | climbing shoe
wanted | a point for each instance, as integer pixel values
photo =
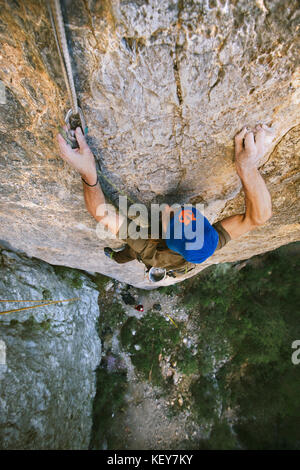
(108, 252)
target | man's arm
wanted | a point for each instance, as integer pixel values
(82, 159)
(248, 150)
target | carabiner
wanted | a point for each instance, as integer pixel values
(73, 121)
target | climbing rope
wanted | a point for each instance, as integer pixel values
(34, 306)
(74, 116)
(63, 51)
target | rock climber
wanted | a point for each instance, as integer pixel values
(167, 251)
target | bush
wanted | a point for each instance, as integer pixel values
(248, 319)
(153, 335)
(109, 400)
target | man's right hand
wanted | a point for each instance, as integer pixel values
(82, 158)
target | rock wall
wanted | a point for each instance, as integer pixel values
(164, 86)
(48, 356)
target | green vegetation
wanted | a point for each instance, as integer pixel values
(241, 384)
(101, 281)
(111, 385)
(112, 314)
(187, 363)
(248, 319)
(32, 325)
(108, 402)
(47, 294)
(171, 290)
(221, 438)
(112, 317)
(204, 393)
(70, 275)
(153, 336)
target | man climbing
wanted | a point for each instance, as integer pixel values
(167, 250)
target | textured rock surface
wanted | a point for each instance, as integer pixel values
(47, 381)
(164, 87)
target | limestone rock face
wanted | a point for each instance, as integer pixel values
(48, 356)
(164, 86)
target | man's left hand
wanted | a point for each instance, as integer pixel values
(251, 146)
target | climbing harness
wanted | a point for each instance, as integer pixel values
(74, 116)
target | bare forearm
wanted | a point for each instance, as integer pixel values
(258, 205)
(82, 159)
(257, 197)
(98, 207)
(93, 196)
(248, 151)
